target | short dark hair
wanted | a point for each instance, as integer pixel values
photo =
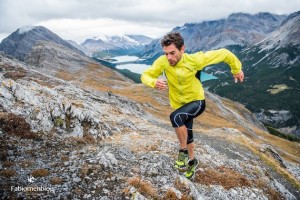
(172, 37)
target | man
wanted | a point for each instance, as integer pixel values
(185, 90)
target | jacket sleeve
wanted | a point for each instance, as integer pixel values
(150, 75)
(220, 55)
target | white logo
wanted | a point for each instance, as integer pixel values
(31, 179)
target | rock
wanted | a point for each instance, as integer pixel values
(130, 143)
(10, 152)
(138, 196)
(76, 179)
(283, 191)
(106, 159)
(87, 196)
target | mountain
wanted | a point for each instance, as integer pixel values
(53, 55)
(20, 42)
(80, 136)
(238, 29)
(120, 45)
(80, 47)
(286, 35)
(272, 68)
(71, 128)
(142, 39)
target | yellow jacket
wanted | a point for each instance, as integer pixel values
(183, 86)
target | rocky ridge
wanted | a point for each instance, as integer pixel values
(272, 63)
(86, 143)
(117, 44)
(20, 42)
(237, 29)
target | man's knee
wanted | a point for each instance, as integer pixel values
(174, 118)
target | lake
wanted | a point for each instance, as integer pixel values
(140, 68)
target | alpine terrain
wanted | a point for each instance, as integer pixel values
(268, 46)
(271, 89)
(71, 128)
(109, 46)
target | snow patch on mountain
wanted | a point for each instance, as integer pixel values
(116, 42)
(25, 29)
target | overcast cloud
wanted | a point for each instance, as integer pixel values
(81, 19)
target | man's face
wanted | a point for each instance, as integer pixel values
(173, 54)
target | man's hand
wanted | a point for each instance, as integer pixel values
(239, 77)
(161, 84)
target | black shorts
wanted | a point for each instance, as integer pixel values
(184, 116)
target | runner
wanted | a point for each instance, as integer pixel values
(186, 93)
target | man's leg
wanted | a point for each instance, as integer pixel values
(182, 135)
(190, 138)
(183, 157)
(190, 148)
(182, 121)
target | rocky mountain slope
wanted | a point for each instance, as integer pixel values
(20, 42)
(73, 129)
(273, 65)
(238, 29)
(63, 137)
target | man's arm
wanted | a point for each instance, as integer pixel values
(151, 74)
(222, 55)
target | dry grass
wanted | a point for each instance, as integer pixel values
(152, 147)
(85, 170)
(16, 125)
(94, 76)
(86, 139)
(229, 178)
(97, 71)
(171, 195)
(78, 191)
(271, 193)
(65, 75)
(15, 74)
(56, 181)
(269, 161)
(292, 148)
(26, 163)
(183, 188)
(224, 176)
(40, 173)
(143, 187)
(8, 173)
(8, 163)
(64, 158)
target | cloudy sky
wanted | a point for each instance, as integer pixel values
(81, 19)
